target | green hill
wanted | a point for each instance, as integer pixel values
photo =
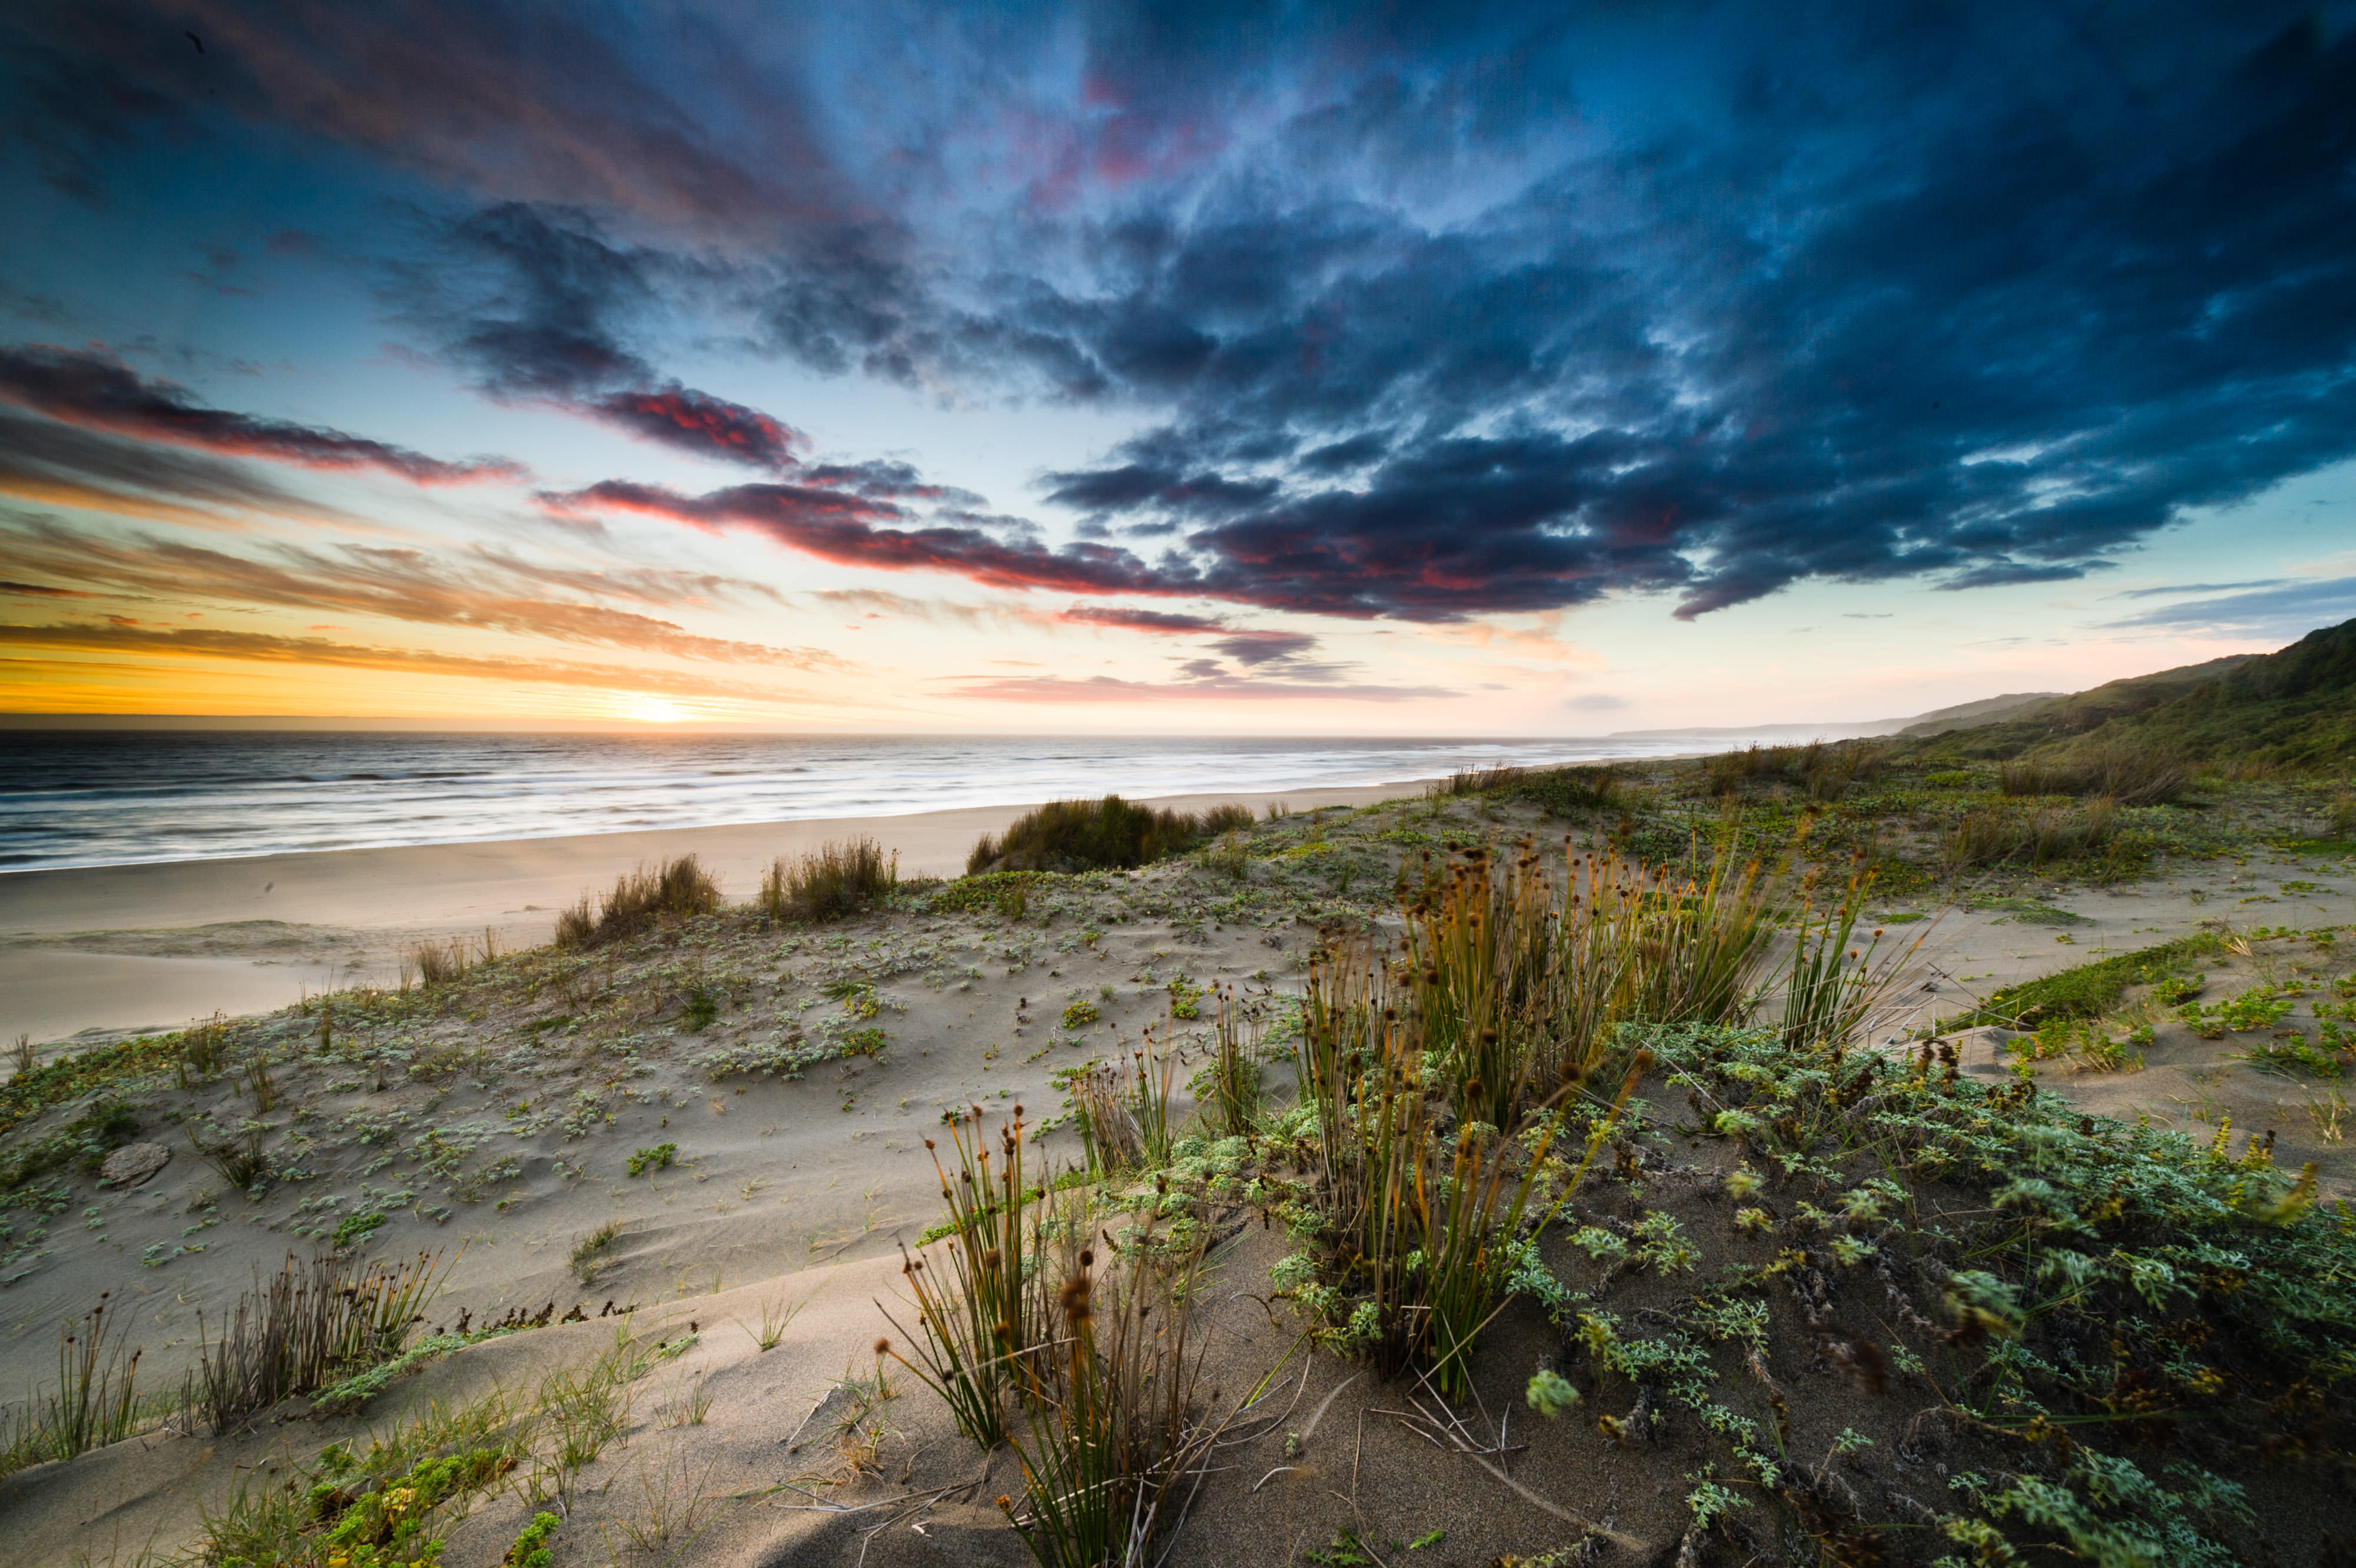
(2296, 708)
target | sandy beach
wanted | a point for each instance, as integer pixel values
(106, 950)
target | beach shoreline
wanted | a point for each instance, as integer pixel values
(91, 952)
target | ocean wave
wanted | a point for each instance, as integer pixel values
(83, 798)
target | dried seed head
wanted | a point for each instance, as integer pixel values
(1087, 1258)
(882, 1349)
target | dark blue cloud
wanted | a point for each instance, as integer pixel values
(1424, 312)
(99, 391)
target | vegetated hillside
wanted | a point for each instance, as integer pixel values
(1986, 710)
(2294, 708)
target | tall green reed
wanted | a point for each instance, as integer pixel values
(975, 1320)
(1232, 1104)
(1121, 1424)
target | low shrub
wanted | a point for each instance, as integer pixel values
(1089, 835)
(1824, 771)
(676, 890)
(530, 1548)
(1562, 791)
(830, 882)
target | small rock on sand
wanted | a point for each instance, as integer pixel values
(135, 1163)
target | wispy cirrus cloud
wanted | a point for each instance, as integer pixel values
(99, 391)
(1113, 689)
(482, 591)
(181, 644)
(2276, 608)
(504, 102)
(55, 464)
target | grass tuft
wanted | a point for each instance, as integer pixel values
(94, 1403)
(677, 890)
(832, 883)
(590, 1252)
(977, 1324)
(306, 1326)
(2119, 770)
(1110, 834)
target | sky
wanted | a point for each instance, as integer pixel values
(1454, 370)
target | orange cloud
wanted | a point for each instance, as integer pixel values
(264, 647)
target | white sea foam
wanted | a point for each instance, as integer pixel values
(119, 798)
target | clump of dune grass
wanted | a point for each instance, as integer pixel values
(1526, 978)
(1418, 1227)
(1479, 780)
(978, 1324)
(22, 1059)
(1821, 770)
(1110, 834)
(439, 963)
(830, 882)
(677, 890)
(1090, 1371)
(236, 1158)
(95, 1402)
(203, 1050)
(2030, 834)
(589, 1253)
(2123, 771)
(1123, 1433)
(1231, 1083)
(776, 1318)
(305, 1327)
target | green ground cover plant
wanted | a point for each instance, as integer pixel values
(2087, 990)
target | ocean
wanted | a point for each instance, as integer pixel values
(115, 798)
